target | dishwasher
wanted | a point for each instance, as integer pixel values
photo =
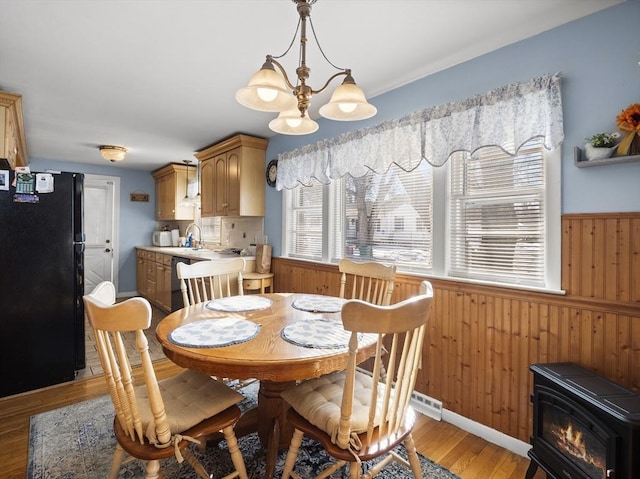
(176, 294)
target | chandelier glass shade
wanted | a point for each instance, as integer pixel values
(267, 91)
(270, 89)
(291, 123)
(348, 102)
(112, 153)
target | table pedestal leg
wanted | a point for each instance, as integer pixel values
(274, 431)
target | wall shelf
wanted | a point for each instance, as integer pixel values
(581, 162)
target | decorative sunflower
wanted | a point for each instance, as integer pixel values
(629, 121)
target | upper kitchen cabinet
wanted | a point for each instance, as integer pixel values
(232, 177)
(171, 189)
(13, 145)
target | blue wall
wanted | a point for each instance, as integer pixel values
(598, 57)
(137, 220)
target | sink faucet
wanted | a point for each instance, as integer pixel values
(200, 244)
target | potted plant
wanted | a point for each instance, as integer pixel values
(601, 145)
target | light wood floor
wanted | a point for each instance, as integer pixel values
(468, 456)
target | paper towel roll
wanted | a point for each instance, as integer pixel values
(175, 234)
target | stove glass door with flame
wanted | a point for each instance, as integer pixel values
(582, 445)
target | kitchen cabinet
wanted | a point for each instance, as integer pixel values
(163, 281)
(171, 189)
(141, 272)
(232, 177)
(206, 188)
(13, 145)
(153, 279)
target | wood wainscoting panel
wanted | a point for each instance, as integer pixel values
(481, 339)
(601, 256)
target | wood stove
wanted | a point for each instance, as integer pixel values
(584, 426)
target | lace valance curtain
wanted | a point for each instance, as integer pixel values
(510, 115)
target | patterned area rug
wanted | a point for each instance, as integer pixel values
(77, 442)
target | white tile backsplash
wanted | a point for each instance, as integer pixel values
(239, 232)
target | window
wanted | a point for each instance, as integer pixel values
(303, 222)
(385, 217)
(495, 218)
(496, 215)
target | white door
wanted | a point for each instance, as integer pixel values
(101, 212)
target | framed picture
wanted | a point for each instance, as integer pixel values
(4, 180)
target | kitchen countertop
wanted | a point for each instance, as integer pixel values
(195, 253)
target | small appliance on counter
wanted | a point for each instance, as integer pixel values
(161, 238)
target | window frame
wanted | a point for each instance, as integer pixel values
(441, 229)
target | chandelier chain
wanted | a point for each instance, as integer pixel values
(293, 40)
(313, 30)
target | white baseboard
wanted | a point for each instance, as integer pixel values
(433, 408)
(485, 432)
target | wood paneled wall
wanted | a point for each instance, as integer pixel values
(481, 339)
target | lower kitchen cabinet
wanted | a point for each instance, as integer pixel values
(153, 279)
(155, 273)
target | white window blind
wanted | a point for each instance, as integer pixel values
(496, 215)
(304, 225)
(384, 217)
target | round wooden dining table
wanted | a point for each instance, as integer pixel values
(276, 362)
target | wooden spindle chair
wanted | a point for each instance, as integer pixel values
(207, 280)
(157, 419)
(356, 416)
(370, 282)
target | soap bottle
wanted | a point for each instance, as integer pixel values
(189, 242)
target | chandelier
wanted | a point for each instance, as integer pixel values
(112, 153)
(271, 91)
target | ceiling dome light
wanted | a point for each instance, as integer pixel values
(112, 153)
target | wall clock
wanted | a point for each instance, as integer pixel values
(272, 172)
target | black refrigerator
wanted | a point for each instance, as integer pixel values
(41, 279)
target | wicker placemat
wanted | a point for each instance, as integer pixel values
(317, 303)
(239, 303)
(214, 333)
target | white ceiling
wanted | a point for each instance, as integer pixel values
(159, 76)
